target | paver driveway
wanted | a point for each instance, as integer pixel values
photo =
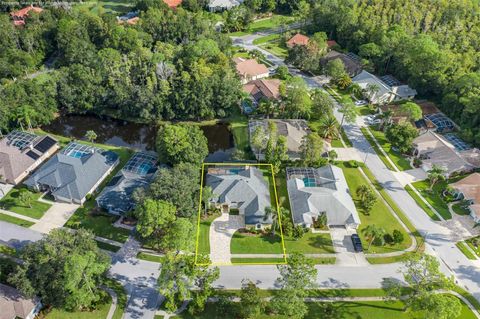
(221, 233)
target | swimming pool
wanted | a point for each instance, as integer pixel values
(309, 182)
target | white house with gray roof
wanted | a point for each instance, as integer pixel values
(243, 188)
(221, 5)
(74, 173)
(313, 191)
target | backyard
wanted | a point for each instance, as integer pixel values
(34, 209)
(380, 215)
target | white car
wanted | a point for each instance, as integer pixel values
(361, 103)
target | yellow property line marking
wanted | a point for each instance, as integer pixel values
(277, 209)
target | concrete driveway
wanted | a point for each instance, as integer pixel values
(55, 217)
(343, 246)
(221, 233)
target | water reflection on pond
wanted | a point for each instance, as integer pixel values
(137, 136)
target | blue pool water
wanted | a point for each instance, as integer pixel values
(235, 171)
(77, 154)
(309, 182)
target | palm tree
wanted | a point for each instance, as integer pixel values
(344, 81)
(362, 192)
(355, 90)
(91, 136)
(207, 195)
(372, 232)
(371, 90)
(349, 112)
(386, 118)
(329, 127)
(271, 213)
(267, 107)
(436, 174)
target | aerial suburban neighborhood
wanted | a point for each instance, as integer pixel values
(240, 159)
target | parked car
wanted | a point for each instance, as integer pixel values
(357, 243)
(361, 103)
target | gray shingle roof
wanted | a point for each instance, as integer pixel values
(328, 194)
(70, 177)
(245, 187)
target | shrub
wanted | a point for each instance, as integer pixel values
(398, 236)
(353, 164)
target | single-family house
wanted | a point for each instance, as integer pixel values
(316, 191)
(384, 92)
(468, 189)
(21, 153)
(222, 5)
(243, 188)
(250, 70)
(263, 89)
(297, 39)
(14, 305)
(293, 130)
(352, 66)
(74, 173)
(19, 16)
(138, 172)
(433, 149)
(173, 4)
(129, 18)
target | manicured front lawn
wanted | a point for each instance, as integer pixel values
(257, 260)
(100, 313)
(15, 220)
(470, 242)
(377, 150)
(310, 243)
(204, 234)
(434, 197)
(421, 203)
(255, 244)
(149, 257)
(276, 48)
(101, 224)
(11, 203)
(107, 246)
(398, 159)
(340, 309)
(267, 38)
(379, 216)
(465, 250)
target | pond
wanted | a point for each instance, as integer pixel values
(137, 136)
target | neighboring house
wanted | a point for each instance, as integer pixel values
(14, 305)
(173, 4)
(433, 149)
(297, 39)
(243, 188)
(263, 89)
(293, 130)
(129, 18)
(250, 70)
(386, 93)
(139, 171)
(468, 189)
(74, 173)
(316, 191)
(21, 153)
(20, 15)
(352, 66)
(222, 5)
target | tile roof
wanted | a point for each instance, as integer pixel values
(470, 188)
(173, 3)
(263, 88)
(298, 39)
(13, 304)
(246, 187)
(22, 13)
(250, 67)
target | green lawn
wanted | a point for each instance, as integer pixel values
(149, 257)
(121, 296)
(461, 245)
(106, 246)
(273, 22)
(420, 203)
(434, 197)
(379, 153)
(310, 243)
(470, 243)
(15, 220)
(343, 310)
(256, 244)
(11, 203)
(100, 313)
(115, 7)
(238, 125)
(276, 48)
(204, 234)
(380, 215)
(398, 159)
(460, 208)
(345, 138)
(256, 260)
(267, 38)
